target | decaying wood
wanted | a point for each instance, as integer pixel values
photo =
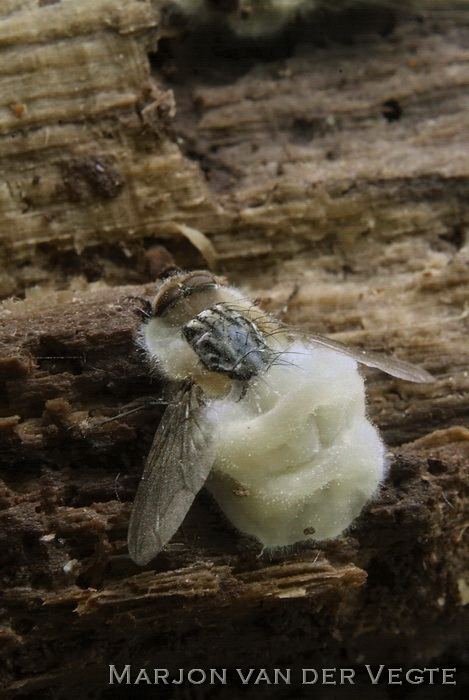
(357, 151)
(338, 167)
(69, 361)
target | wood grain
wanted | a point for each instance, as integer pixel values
(335, 162)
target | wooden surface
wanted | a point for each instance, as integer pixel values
(339, 165)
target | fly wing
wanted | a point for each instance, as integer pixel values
(387, 363)
(177, 466)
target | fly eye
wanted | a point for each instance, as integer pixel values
(199, 281)
(194, 283)
(167, 299)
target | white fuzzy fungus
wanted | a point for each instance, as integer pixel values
(301, 447)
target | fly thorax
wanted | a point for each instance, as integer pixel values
(229, 342)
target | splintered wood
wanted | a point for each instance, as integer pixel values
(132, 141)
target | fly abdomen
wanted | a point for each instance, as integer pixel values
(226, 341)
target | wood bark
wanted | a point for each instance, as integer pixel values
(323, 157)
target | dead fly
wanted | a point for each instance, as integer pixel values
(272, 420)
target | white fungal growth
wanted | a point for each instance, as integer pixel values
(301, 445)
(249, 18)
(255, 19)
(273, 421)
